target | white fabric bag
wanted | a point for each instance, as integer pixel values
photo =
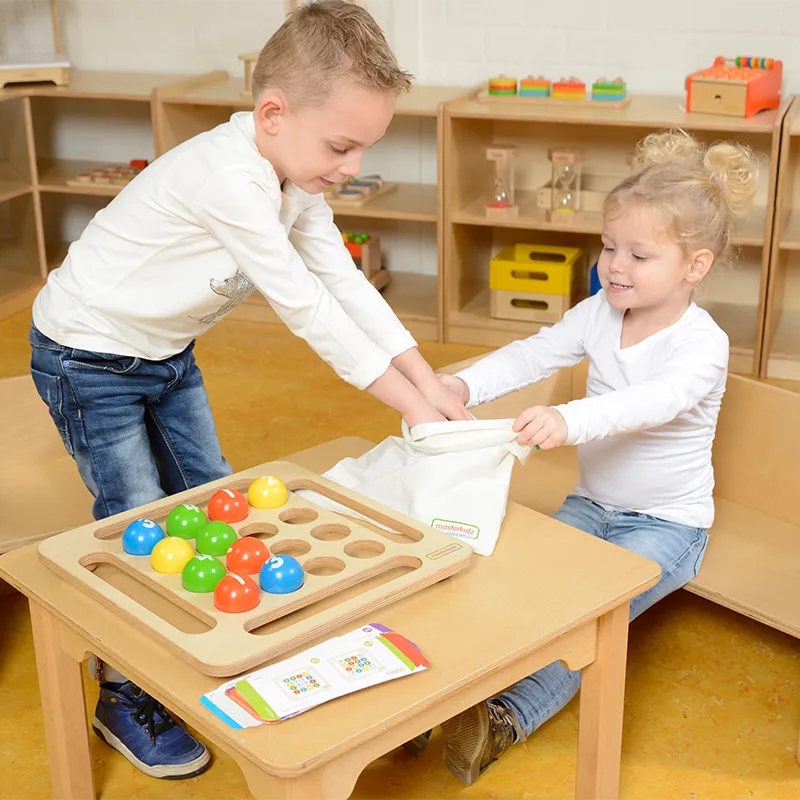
(453, 476)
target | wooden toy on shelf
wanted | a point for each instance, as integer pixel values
(568, 91)
(38, 67)
(335, 552)
(535, 283)
(360, 190)
(501, 201)
(366, 252)
(110, 175)
(249, 62)
(739, 87)
(565, 191)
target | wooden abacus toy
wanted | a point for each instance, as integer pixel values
(109, 176)
(568, 91)
(366, 252)
(224, 604)
(739, 87)
(360, 190)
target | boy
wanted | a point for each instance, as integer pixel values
(234, 209)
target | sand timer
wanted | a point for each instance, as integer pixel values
(566, 182)
(500, 203)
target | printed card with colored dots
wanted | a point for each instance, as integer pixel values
(361, 658)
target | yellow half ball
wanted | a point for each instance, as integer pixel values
(171, 555)
(267, 492)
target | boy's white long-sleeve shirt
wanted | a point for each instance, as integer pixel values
(646, 426)
(191, 237)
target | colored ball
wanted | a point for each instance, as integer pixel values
(215, 538)
(228, 505)
(281, 575)
(185, 521)
(236, 593)
(267, 492)
(141, 537)
(202, 574)
(171, 555)
(247, 555)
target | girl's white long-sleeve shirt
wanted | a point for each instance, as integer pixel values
(191, 237)
(646, 427)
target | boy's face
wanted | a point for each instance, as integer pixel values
(316, 146)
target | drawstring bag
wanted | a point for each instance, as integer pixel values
(452, 476)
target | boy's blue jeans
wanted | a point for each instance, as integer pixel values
(676, 548)
(138, 430)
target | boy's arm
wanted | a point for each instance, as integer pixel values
(694, 369)
(242, 214)
(319, 243)
(527, 361)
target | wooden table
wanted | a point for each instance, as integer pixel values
(549, 592)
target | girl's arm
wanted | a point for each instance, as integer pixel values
(530, 360)
(697, 365)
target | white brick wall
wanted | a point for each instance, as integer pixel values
(652, 43)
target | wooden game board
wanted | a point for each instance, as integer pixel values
(109, 176)
(351, 567)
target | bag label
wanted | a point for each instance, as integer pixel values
(461, 530)
(444, 551)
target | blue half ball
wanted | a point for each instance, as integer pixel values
(141, 537)
(281, 575)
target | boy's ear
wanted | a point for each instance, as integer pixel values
(699, 266)
(270, 108)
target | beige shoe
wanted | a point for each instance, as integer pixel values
(477, 737)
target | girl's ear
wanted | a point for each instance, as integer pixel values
(699, 266)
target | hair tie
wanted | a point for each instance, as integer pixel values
(718, 183)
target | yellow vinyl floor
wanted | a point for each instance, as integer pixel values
(712, 705)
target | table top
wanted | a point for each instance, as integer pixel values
(544, 579)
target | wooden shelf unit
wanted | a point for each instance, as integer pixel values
(737, 299)
(781, 341)
(186, 108)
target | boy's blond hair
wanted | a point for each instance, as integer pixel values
(321, 44)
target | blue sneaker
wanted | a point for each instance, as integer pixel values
(139, 727)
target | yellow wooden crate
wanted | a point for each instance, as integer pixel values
(539, 269)
(528, 307)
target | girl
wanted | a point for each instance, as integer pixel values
(657, 370)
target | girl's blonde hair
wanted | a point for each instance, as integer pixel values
(701, 193)
(321, 44)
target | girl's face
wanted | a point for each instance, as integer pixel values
(643, 267)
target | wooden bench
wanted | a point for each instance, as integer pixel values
(752, 563)
(41, 492)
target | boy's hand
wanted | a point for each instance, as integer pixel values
(457, 386)
(541, 426)
(446, 401)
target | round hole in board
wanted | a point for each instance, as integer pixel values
(261, 530)
(290, 547)
(323, 566)
(366, 548)
(298, 516)
(717, 98)
(330, 533)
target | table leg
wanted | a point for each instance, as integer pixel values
(334, 781)
(63, 706)
(601, 707)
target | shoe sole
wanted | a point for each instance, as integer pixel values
(465, 766)
(169, 772)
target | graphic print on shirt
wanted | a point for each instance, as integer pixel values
(235, 289)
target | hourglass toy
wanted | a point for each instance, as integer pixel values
(566, 183)
(500, 203)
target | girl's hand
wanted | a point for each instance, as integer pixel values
(446, 401)
(421, 412)
(541, 426)
(457, 386)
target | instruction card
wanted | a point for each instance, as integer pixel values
(361, 658)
